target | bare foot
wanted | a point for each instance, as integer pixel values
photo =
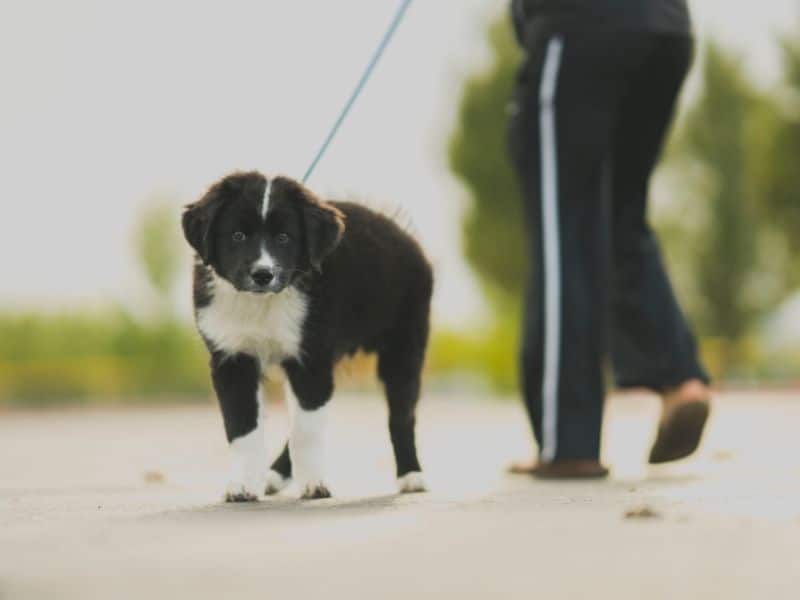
(689, 392)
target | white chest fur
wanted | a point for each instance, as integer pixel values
(268, 326)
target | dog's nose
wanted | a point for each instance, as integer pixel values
(261, 276)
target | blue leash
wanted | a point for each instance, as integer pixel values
(387, 37)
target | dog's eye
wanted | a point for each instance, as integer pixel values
(239, 237)
(282, 238)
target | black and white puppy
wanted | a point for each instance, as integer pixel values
(284, 278)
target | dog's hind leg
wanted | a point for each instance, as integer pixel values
(280, 473)
(401, 356)
(400, 360)
(400, 373)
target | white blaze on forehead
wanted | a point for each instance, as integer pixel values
(265, 200)
(265, 260)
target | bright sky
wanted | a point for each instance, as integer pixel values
(105, 105)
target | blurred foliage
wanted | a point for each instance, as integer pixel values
(735, 221)
(731, 231)
(779, 172)
(48, 359)
(487, 355)
(158, 244)
(55, 358)
(712, 150)
(493, 233)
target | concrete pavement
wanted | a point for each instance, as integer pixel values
(123, 503)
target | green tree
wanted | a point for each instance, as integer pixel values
(494, 241)
(715, 139)
(730, 229)
(780, 164)
(493, 232)
(157, 244)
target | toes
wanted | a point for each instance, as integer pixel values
(275, 483)
(239, 491)
(315, 491)
(411, 483)
(240, 496)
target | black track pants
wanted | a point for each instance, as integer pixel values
(590, 115)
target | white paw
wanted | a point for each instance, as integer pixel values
(314, 490)
(246, 476)
(239, 491)
(411, 483)
(275, 482)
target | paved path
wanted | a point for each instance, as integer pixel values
(123, 504)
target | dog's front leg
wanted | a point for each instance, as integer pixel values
(311, 388)
(237, 380)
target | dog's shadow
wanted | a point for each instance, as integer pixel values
(288, 506)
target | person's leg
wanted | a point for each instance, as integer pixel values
(651, 342)
(652, 345)
(560, 139)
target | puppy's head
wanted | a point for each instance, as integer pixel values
(259, 233)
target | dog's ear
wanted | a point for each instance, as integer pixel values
(324, 223)
(324, 231)
(198, 220)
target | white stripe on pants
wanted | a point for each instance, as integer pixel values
(552, 249)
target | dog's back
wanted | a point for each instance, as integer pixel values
(375, 287)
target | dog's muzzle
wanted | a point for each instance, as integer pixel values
(266, 281)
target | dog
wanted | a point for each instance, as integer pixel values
(282, 277)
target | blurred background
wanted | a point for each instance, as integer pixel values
(115, 115)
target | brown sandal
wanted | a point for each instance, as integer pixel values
(682, 423)
(561, 469)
